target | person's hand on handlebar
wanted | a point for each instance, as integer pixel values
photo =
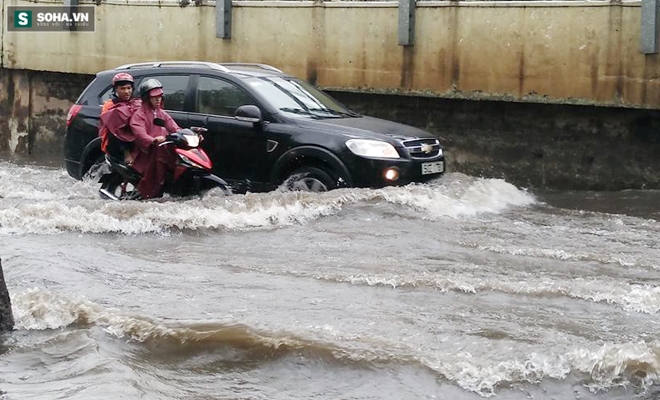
(159, 139)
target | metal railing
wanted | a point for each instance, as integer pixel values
(173, 64)
(225, 67)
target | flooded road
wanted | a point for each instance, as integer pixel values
(463, 288)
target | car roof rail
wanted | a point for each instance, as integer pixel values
(256, 65)
(174, 64)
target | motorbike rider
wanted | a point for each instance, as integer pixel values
(116, 112)
(153, 162)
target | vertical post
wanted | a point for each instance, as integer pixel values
(649, 27)
(6, 318)
(406, 22)
(223, 19)
(71, 6)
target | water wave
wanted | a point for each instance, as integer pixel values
(600, 366)
(629, 296)
(617, 258)
(76, 208)
(38, 309)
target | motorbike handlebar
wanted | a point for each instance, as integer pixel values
(169, 139)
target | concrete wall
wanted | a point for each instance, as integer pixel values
(539, 51)
(33, 108)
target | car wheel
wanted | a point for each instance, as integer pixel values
(310, 179)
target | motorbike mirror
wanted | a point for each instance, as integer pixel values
(159, 121)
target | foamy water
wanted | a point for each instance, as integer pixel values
(62, 204)
(463, 288)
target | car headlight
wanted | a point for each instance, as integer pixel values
(371, 148)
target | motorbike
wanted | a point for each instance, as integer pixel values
(191, 177)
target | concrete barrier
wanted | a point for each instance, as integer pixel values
(6, 317)
(569, 52)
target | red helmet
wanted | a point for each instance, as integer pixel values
(122, 78)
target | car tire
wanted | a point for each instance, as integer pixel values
(310, 179)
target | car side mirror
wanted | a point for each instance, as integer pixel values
(159, 121)
(248, 113)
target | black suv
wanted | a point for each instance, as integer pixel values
(265, 128)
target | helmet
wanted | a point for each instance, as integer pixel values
(122, 78)
(151, 88)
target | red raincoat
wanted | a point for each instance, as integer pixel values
(149, 159)
(115, 117)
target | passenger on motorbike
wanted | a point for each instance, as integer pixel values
(114, 131)
(153, 162)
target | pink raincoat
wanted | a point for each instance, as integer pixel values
(149, 159)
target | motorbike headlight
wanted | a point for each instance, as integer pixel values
(371, 148)
(193, 140)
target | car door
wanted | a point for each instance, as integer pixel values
(237, 148)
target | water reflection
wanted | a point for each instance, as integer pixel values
(636, 203)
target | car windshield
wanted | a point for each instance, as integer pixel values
(295, 96)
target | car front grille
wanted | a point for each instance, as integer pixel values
(422, 148)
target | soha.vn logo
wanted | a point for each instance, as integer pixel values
(22, 19)
(50, 18)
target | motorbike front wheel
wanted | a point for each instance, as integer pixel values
(208, 182)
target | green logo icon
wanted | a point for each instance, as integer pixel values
(22, 19)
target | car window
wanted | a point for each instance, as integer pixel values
(107, 94)
(219, 97)
(297, 96)
(174, 90)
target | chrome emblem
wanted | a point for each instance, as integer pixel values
(426, 148)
